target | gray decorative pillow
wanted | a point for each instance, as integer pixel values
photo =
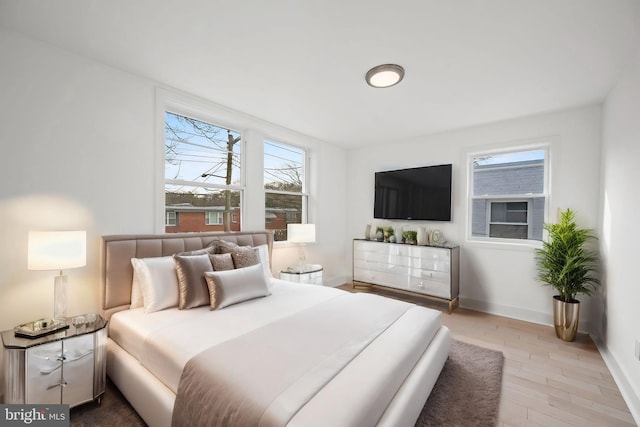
(191, 282)
(244, 256)
(224, 246)
(221, 262)
(234, 286)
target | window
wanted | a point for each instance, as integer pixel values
(509, 219)
(509, 194)
(202, 174)
(170, 218)
(213, 218)
(285, 187)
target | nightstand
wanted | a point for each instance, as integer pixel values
(66, 367)
(308, 273)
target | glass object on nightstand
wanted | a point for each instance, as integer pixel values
(305, 273)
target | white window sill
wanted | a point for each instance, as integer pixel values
(505, 244)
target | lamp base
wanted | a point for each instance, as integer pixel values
(60, 297)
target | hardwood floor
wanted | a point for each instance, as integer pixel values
(546, 381)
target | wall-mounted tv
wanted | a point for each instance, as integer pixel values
(422, 193)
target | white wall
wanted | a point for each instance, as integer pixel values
(496, 279)
(78, 144)
(617, 320)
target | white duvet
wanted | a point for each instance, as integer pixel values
(165, 341)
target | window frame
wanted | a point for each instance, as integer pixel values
(167, 222)
(253, 132)
(545, 144)
(528, 223)
(304, 194)
(205, 116)
(220, 218)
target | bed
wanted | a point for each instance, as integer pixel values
(299, 355)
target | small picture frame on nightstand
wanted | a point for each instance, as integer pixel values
(39, 328)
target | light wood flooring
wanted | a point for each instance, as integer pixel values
(546, 381)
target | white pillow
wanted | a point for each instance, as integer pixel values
(158, 281)
(263, 255)
(136, 292)
(229, 287)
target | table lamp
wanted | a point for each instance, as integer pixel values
(301, 233)
(57, 250)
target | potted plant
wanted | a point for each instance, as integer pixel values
(565, 263)
(388, 234)
(409, 237)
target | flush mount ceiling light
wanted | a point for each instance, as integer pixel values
(385, 75)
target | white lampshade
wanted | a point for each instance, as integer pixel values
(301, 233)
(57, 250)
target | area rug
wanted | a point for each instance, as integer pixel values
(467, 394)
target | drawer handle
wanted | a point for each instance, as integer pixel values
(65, 359)
(73, 359)
(48, 371)
(62, 383)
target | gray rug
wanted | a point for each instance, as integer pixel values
(467, 394)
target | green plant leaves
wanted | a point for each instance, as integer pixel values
(564, 262)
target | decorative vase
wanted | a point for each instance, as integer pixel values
(372, 236)
(398, 233)
(422, 237)
(367, 233)
(565, 318)
(379, 236)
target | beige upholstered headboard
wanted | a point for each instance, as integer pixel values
(117, 251)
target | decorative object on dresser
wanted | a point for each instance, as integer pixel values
(429, 271)
(65, 367)
(436, 237)
(410, 237)
(310, 274)
(422, 237)
(57, 250)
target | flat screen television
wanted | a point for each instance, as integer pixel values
(422, 193)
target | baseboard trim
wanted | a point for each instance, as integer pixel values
(508, 311)
(517, 313)
(629, 395)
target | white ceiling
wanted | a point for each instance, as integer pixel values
(301, 64)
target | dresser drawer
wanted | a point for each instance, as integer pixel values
(430, 287)
(380, 278)
(397, 269)
(436, 276)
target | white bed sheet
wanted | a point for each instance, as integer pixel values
(192, 331)
(197, 329)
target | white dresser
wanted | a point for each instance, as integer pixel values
(431, 271)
